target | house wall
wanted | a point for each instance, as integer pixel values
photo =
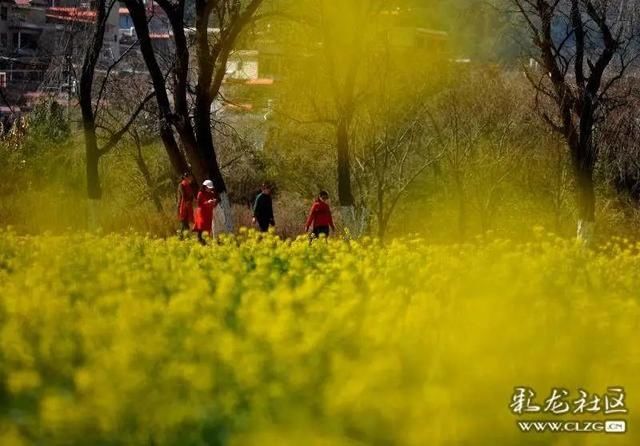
(112, 33)
(6, 13)
(240, 69)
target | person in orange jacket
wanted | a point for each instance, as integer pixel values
(185, 197)
(206, 202)
(320, 218)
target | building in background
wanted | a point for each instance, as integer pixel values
(40, 39)
(24, 50)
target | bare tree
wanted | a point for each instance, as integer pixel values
(90, 108)
(620, 150)
(484, 134)
(584, 48)
(336, 40)
(398, 149)
(196, 81)
(397, 138)
(141, 134)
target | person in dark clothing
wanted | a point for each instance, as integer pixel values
(320, 218)
(263, 209)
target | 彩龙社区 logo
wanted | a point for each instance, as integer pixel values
(610, 406)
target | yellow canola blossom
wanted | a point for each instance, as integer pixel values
(134, 340)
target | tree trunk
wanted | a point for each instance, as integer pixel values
(582, 156)
(383, 223)
(92, 154)
(182, 118)
(205, 142)
(586, 202)
(381, 215)
(138, 16)
(176, 158)
(345, 195)
(208, 154)
(202, 118)
(92, 151)
(93, 207)
(225, 207)
(94, 191)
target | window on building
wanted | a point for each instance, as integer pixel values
(4, 40)
(3, 13)
(25, 40)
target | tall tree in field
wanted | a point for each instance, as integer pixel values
(584, 49)
(345, 32)
(196, 80)
(89, 101)
(333, 43)
(336, 86)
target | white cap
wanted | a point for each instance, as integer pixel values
(208, 184)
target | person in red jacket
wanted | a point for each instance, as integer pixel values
(185, 196)
(320, 219)
(207, 203)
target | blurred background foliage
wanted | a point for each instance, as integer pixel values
(443, 135)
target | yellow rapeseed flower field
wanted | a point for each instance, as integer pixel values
(134, 340)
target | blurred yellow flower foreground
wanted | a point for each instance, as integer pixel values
(131, 340)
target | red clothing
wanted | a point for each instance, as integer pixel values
(320, 215)
(204, 211)
(185, 206)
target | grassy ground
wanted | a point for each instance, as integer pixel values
(127, 340)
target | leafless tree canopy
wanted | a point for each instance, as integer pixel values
(584, 49)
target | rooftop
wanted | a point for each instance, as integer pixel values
(71, 14)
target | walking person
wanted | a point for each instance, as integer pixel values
(185, 197)
(263, 209)
(207, 203)
(320, 218)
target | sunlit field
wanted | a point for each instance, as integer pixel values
(133, 340)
